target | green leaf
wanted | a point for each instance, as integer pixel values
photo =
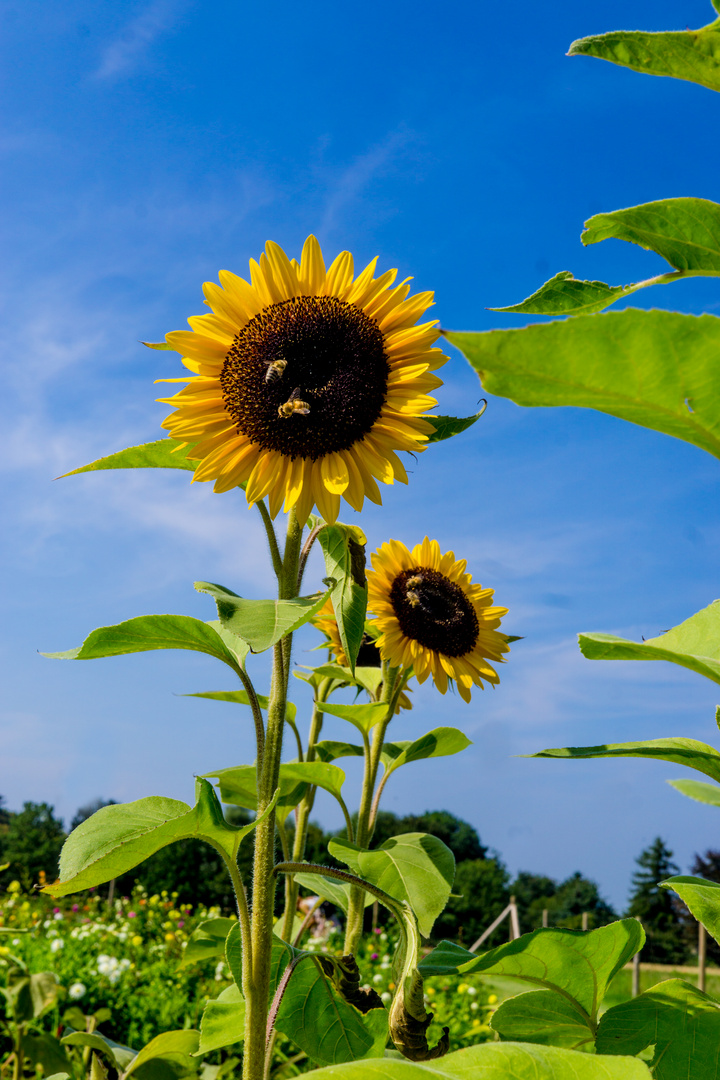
(448, 426)
(343, 547)
(207, 941)
(223, 1021)
(238, 785)
(240, 697)
(542, 1016)
(330, 750)
(694, 644)
(119, 837)
(117, 1055)
(43, 992)
(317, 1018)
(45, 1050)
(693, 55)
(262, 623)
(564, 294)
(161, 454)
(166, 1057)
(494, 1061)
(696, 789)
(318, 773)
(680, 1021)
(415, 867)
(148, 632)
(702, 898)
(337, 892)
(685, 232)
(579, 965)
(440, 742)
(363, 717)
(690, 752)
(657, 369)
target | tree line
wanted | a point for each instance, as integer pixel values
(30, 842)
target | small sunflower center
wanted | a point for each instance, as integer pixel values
(306, 377)
(434, 611)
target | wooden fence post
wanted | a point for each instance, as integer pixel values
(584, 920)
(545, 918)
(636, 975)
(514, 920)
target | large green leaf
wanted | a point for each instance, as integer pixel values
(415, 867)
(240, 697)
(693, 55)
(119, 837)
(658, 369)
(578, 965)
(161, 454)
(696, 789)
(337, 892)
(223, 1021)
(331, 749)
(207, 941)
(363, 717)
(148, 632)
(545, 1017)
(238, 784)
(343, 547)
(440, 742)
(690, 752)
(446, 427)
(166, 1057)
(262, 623)
(680, 1021)
(117, 1055)
(702, 898)
(694, 644)
(564, 294)
(45, 1050)
(494, 1061)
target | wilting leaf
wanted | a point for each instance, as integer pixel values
(344, 549)
(161, 454)
(414, 867)
(694, 644)
(680, 1021)
(542, 1016)
(657, 369)
(692, 55)
(690, 752)
(262, 623)
(696, 789)
(701, 897)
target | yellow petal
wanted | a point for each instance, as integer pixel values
(334, 473)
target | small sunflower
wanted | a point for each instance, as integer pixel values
(306, 381)
(432, 617)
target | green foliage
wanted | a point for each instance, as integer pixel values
(694, 644)
(161, 454)
(690, 752)
(441, 742)
(656, 907)
(691, 55)
(480, 892)
(448, 426)
(343, 547)
(680, 1021)
(701, 897)
(696, 789)
(31, 844)
(261, 623)
(363, 717)
(223, 1021)
(663, 377)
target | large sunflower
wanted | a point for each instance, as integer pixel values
(305, 382)
(433, 618)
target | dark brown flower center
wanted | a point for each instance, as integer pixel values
(306, 377)
(434, 611)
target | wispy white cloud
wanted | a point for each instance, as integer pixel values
(353, 181)
(128, 49)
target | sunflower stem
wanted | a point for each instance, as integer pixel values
(271, 537)
(264, 880)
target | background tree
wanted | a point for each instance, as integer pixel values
(480, 892)
(84, 812)
(705, 866)
(658, 909)
(32, 844)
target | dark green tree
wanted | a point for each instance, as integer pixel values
(480, 892)
(575, 896)
(32, 844)
(532, 894)
(658, 909)
(706, 866)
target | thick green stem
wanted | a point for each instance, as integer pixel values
(264, 881)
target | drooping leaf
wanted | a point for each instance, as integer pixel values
(223, 1021)
(576, 964)
(690, 752)
(318, 773)
(495, 1061)
(694, 644)
(166, 1057)
(149, 632)
(657, 369)
(415, 867)
(440, 742)
(343, 547)
(262, 623)
(696, 789)
(330, 750)
(363, 717)
(207, 941)
(680, 1021)
(692, 55)
(240, 697)
(545, 1017)
(160, 454)
(702, 898)
(121, 836)
(446, 427)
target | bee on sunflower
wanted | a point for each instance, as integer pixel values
(305, 381)
(432, 618)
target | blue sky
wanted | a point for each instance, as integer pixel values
(147, 145)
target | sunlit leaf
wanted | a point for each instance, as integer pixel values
(330, 750)
(657, 369)
(441, 742)
(223, 1021)
(701, 897)
(207, 941)
(317, 1018)
(696, 789)
(343, 547)
(337, 892)
(160, 454)
(238, 786)
(262, 623)
(448, 426)
(166, 1057)
(690, 752)
(363, 717)
(685, 232)
(118, 1056)
(564, 294)
(545, 1017)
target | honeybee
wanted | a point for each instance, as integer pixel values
(275, 369)
(411, 585)
(294, 405)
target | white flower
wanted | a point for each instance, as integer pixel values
(76, 991)
(384, 967)
(219, 971)
(16, 941)
(472, 990)
(386, 996)
(57, 945)
(377, 979)
(58, 916)
(474, 1005)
